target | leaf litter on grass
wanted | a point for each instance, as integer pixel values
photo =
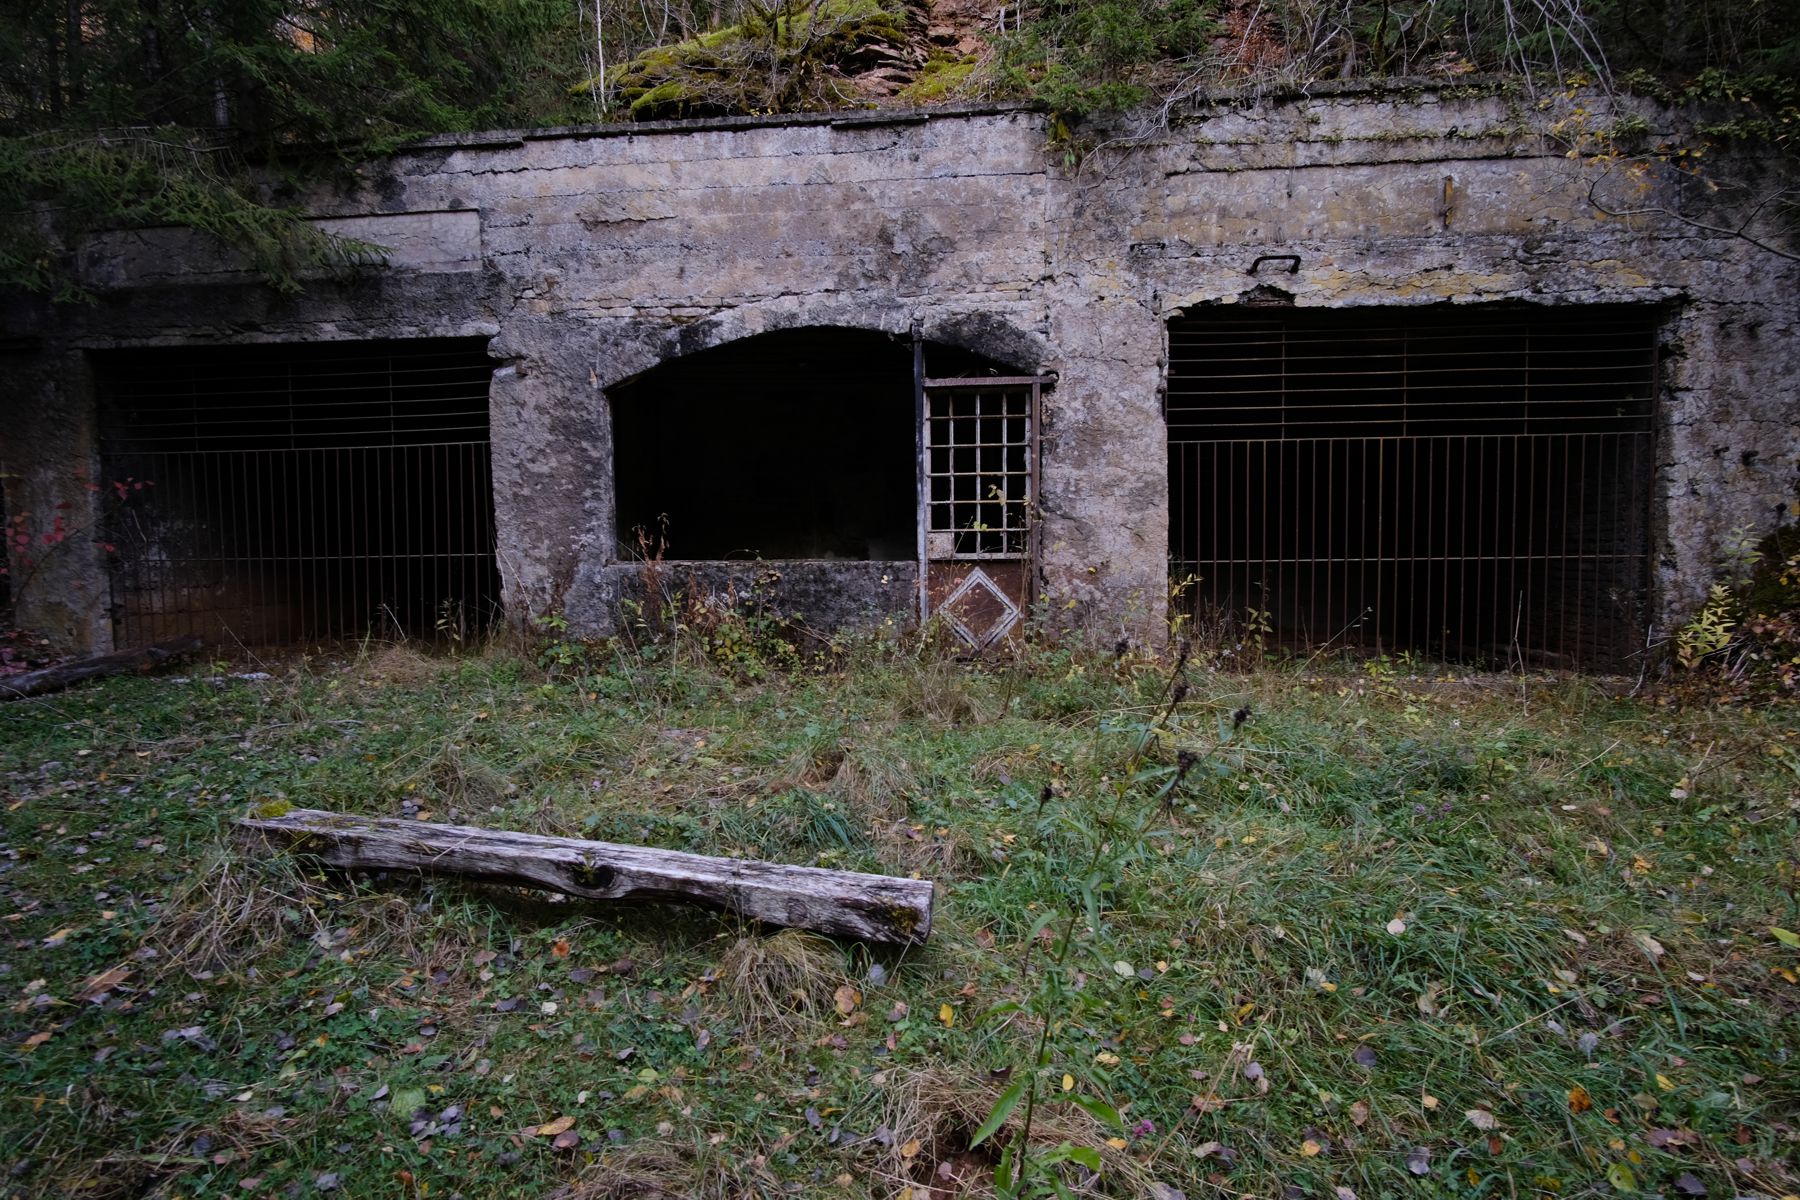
(692, 1057)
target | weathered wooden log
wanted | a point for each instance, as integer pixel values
(876, 908)
(120, 662)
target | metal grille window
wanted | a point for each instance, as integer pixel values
(979, 443)
(1471, 483)
(273, 494)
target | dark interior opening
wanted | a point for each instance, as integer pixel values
(799, 444)
(1468, 483)
(285, 493)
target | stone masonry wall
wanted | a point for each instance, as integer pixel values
(591, 256)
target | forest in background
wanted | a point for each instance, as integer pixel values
(119, 113)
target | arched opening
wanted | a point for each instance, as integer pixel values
(798, 444)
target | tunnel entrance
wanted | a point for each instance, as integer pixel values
(1472, 484)
(286, 493)
(798, 444)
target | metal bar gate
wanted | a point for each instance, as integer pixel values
(1473, 484)
(280, 494)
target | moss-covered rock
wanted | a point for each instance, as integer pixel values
(786, 57)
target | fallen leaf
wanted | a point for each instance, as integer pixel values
(1396, 927)
(847, 998)
(1621, 1177)
(1124, 968)
(555, 1128)
(1786, 937)
(1363, 1056)
(947, 1015)
(910, 1150)
(1359, 1113)
(1344, 1193)
(1649, 945)
(105, 981)
(1117, 1143)
(568, 1139)
(1310, 1148)
(1482, 1119)
(39, 1038)
(1688, 1185)
(1429, 1101)
(560, 948)
(1418, 1160)
(1068, 1082)
(1579, 1100)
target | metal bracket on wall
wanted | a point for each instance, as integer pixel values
(1292, 260)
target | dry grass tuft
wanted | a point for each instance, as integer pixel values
(232, 910)
(652, 1170)
(461, 780)
(399, 665)
(940, 690)
(784, 981)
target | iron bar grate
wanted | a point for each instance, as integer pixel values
(280, 494)
(1468, 483)
(978, 446)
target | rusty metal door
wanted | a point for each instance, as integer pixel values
(978, 465)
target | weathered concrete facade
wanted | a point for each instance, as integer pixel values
(589, 257)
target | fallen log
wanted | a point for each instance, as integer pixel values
(120, 662)
(876, 908)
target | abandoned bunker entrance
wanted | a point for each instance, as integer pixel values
(278, 494)
(1471, 483)
(839, 444)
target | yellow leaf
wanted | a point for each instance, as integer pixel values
(1068, 1083)
(552, 1128)
(847, 999)
(1117, 1143)
(1664, 1082)
(1310, 1148)
(38, 1039)
(910, 1150)
(1429, 1101)
(1579, 1100)
(1106, 1058)
(947, 1015)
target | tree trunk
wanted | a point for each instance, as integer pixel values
(62, 675)
(877, 908)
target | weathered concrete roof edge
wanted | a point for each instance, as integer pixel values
(847, 117)
(496, 138)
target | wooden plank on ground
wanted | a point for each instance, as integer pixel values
(62, 675)
(876, 908)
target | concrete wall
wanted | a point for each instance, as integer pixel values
(591, 256)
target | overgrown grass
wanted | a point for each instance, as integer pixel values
(1392, 901)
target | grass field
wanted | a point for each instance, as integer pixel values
(1407, 932)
